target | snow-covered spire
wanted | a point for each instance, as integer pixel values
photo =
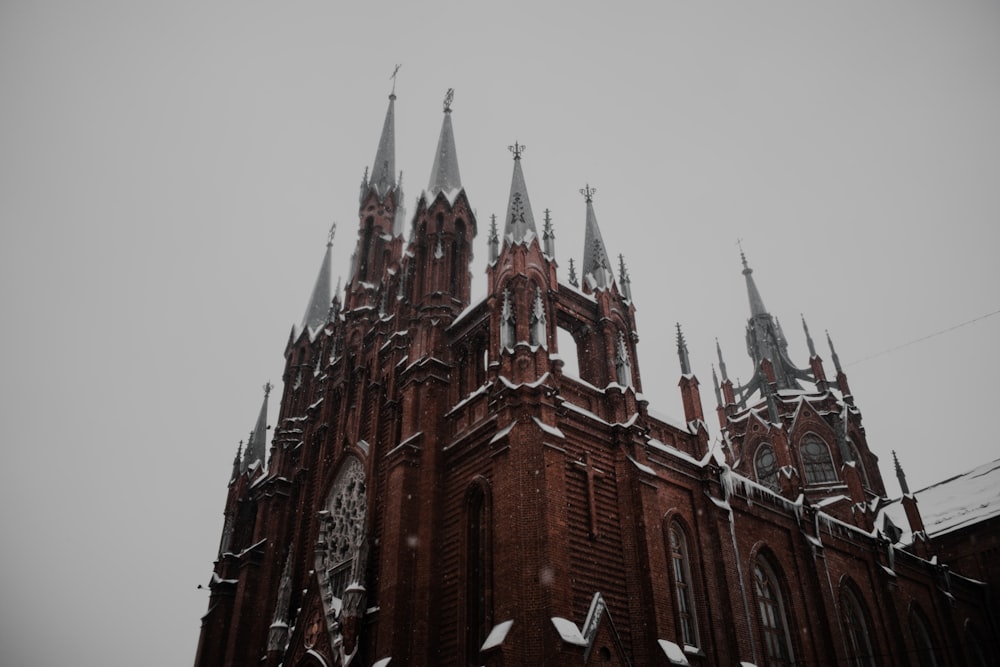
(900, 475)
(318, 310)
(520, 224)
(257, 442)
(682, 352)
(383, 171)
(595, 273)
(444, 174)
(809, 340)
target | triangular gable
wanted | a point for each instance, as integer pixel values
(604, 646)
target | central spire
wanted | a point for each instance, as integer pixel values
(444, 174)
(756, 302)
(384, 167)
(520, 224)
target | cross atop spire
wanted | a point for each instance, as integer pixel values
(392, 76)
(517, 149)
(588, 193)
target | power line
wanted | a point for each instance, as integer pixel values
(918, 340)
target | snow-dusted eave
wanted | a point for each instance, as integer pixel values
(462, 403)
(577, 290)
(428, 197)
(468, 310)
(531, 385)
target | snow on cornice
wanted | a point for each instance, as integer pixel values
(551, 430)
(502, 433)
(450, 195)
(465, 313)
(531, 385)
(462, 403)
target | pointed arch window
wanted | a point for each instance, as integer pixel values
(771, 617)
(856, 628)
(342, 531)
(681, 570)
(816, 460)
(924, 645)
(765, 464)
(859, 463)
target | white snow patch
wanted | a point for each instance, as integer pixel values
(497, 635)
(551, 430)
(673, 652)
(568, 631)
(503, 432)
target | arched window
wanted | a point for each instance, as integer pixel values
(507, 322)
(922, 642)
(766, 466)
(771, 617)
(681, 568)
(856, 628)
(859, 463)
(816, 460)
(537, 333)
(477, 605)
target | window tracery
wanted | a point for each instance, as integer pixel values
(766, 466)
(816, 460)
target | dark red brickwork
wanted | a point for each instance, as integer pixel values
(499, 489)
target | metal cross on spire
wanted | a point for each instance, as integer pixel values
(588, 193)
(449, 97)
(393, 77)
(331, 233)
(517, 149)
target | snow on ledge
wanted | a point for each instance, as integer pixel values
(381, 663)
(497, 635)
(551, 430)
(673, 652)
(568, 631)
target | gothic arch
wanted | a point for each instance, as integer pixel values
(816, 459)
(683, 575)
(856, 621)
(925, 645)
(772, 603)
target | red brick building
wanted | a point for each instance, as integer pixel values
(439, 492)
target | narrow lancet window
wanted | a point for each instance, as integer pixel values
(773, 623)
(856, 628)
(682, 586)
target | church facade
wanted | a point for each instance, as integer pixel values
(437, 491)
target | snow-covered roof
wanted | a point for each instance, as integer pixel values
(954, 503)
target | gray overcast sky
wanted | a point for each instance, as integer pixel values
(168, 172)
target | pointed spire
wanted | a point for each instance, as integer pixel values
(715, 385)
(236, 462)
(444, 174)
(833, 354)
(809, 340)
(572, 274)
(399, 222)
(682, 352)
(900, 475)
(722, 363)
(494, 240)
(623, 279)
(756, 302)
(318, 310)
(257, 442)
(384, 168)
(595, 256)
(520, 224)
(548, 235)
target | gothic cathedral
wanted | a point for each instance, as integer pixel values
(438, 492)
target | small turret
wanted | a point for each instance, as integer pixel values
(257, 442)
(623, 278)
(548, 236)
(318, 310)
(845, 389)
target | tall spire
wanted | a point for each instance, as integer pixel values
(520, 224)
(318, 310)
(596, 271)
(833, 353)
(444, 174)
(383, 173)
(257, 442)
(900, 475)
(682, 352)
(756, 302)
(809, 340)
